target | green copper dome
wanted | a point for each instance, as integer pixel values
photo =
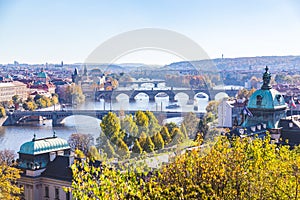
(266, 99)
(42, 75)
(44, 145)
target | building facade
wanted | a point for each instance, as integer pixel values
(9, 89)
(45, 165)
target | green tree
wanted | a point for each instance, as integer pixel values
(111, 126)
(137, 147)
(158, 141)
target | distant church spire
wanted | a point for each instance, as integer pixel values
(266, 79)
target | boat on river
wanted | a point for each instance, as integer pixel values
(172, 106)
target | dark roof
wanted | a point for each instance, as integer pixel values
(59, 168)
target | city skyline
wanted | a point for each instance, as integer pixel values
(39, 32)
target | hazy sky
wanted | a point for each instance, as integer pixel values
(53, 31)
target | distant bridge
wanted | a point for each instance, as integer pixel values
(112, 95)
(57, 117)
(140, 83)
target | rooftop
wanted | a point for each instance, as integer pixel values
(44, 145)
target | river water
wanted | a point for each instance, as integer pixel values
(12, 137)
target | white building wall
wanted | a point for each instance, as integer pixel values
(225, 114)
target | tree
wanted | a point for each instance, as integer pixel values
(129, 125)
(137, 147)
(202, 128)
(2, 112)
(122, 149)
(170, 126)
(240, 168)
(30, 105)
(178, 136)
(108, 149)
(154, 126)
(148, 146)
(165, 134)
(9, 176)
(142, 121)
(74, 94)
(184, 131)
(111, 125)
(190, 122)
(81, 142)
(158, 141)
(93, 153)
(212, 107)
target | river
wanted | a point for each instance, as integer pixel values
(12, 137)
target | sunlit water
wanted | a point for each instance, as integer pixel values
(12, 137)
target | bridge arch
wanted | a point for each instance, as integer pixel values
(220, 96)
(182, 96)
(162, 95)
(122, 96)
(201, 95)
(140, 95)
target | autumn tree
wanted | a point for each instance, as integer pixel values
(9, 176)
(239, 168)
(158, 141)
(2, 112)
(74, 94)
(122, 149)
(108, 149)
(137, 149)
(165, 134)
(110, 125)
(93, 153)
(148, 146)
(142, 121)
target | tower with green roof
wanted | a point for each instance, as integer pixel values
(267, 105)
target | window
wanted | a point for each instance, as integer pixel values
(56, 193)
(258, 100)
(46, 191)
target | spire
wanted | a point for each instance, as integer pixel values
(266, 79)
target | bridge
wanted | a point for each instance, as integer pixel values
(140, 83)
(58, 117)
(112, 95)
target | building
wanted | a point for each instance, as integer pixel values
(265, 108)
(9, 89)
(45, 165)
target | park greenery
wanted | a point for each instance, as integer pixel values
(131, 136)
(239, 168)
(73, 94)
(40, 101)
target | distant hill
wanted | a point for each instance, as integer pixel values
(243, 63)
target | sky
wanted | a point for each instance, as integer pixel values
(53, 31)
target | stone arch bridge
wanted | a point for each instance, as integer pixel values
(112, 95)
(57, 117)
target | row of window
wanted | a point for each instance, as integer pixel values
(56, 193)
